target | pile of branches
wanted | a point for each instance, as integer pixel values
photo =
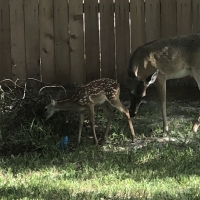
(22, 108)
(18, 105)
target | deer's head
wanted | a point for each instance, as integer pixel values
(139, 92)
(49, 109)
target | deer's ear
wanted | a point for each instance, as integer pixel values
(51, 99)
(53, 102)
(152, 78)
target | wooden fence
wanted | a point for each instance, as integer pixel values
(67, 41)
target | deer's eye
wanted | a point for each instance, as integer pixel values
(45, 109)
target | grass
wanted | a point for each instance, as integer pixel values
(92, 173)
(31, 167)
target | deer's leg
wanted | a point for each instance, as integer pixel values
(91, 118)
(161, 87)
(117, 104)
(196, 75)
(109, 114)
(82, 117)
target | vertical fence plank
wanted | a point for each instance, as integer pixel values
(137, 23)
(61, 29)
(47, 40)
(184, 26)
(168, 24)
(168, 18)
(17, 39)
(196, 16)
(5, 48)
(92, 40)
(107, 38)
(184, 17)
(32, 39)
(122, 37)
(196, 25)
(78, 74)
(152, 14)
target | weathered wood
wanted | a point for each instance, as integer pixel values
(61, 30)
(168, 24)
(184, 17)
(32, 40)
(196, 16)
(47, 40)
(5, 48)
(152, 14)
(92, 40)
(41, 34)
(137, 23)
(107, 39)
(196, 26)
(184, 26)
(122, 37)
(168, 18)
(78, 73)
(17, 39)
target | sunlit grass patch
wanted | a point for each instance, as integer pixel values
(91, 172)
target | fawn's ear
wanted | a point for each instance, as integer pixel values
(152, 78)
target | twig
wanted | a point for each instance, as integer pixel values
(25, 80)
(38, 81)
(52, 86)
(24, 88)
(3, 93)
(24, 91)
(8, 87)
(9, 80)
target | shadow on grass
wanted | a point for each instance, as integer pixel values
(149, 162)
(53, 193)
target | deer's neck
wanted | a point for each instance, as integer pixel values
(67, 105)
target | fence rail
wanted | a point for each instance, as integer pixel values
(67, 41)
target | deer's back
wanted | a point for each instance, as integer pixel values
(169, 56)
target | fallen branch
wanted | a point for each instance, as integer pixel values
(9, 80)
(52, 86)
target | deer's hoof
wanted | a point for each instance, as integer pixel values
(102, 142)
(96, 142)
(195, 127)
(133, 141)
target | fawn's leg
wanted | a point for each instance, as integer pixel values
(82, 117)
(117, 104)
(91, 118)
(109, 114)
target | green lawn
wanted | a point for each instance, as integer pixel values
(31, 167)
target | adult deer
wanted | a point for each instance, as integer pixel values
(161, 60)
(104, 92)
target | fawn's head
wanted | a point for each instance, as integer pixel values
(49, 109)
(139, 92)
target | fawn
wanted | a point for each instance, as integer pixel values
(103, 92)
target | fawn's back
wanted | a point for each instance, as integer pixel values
(96, 92)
